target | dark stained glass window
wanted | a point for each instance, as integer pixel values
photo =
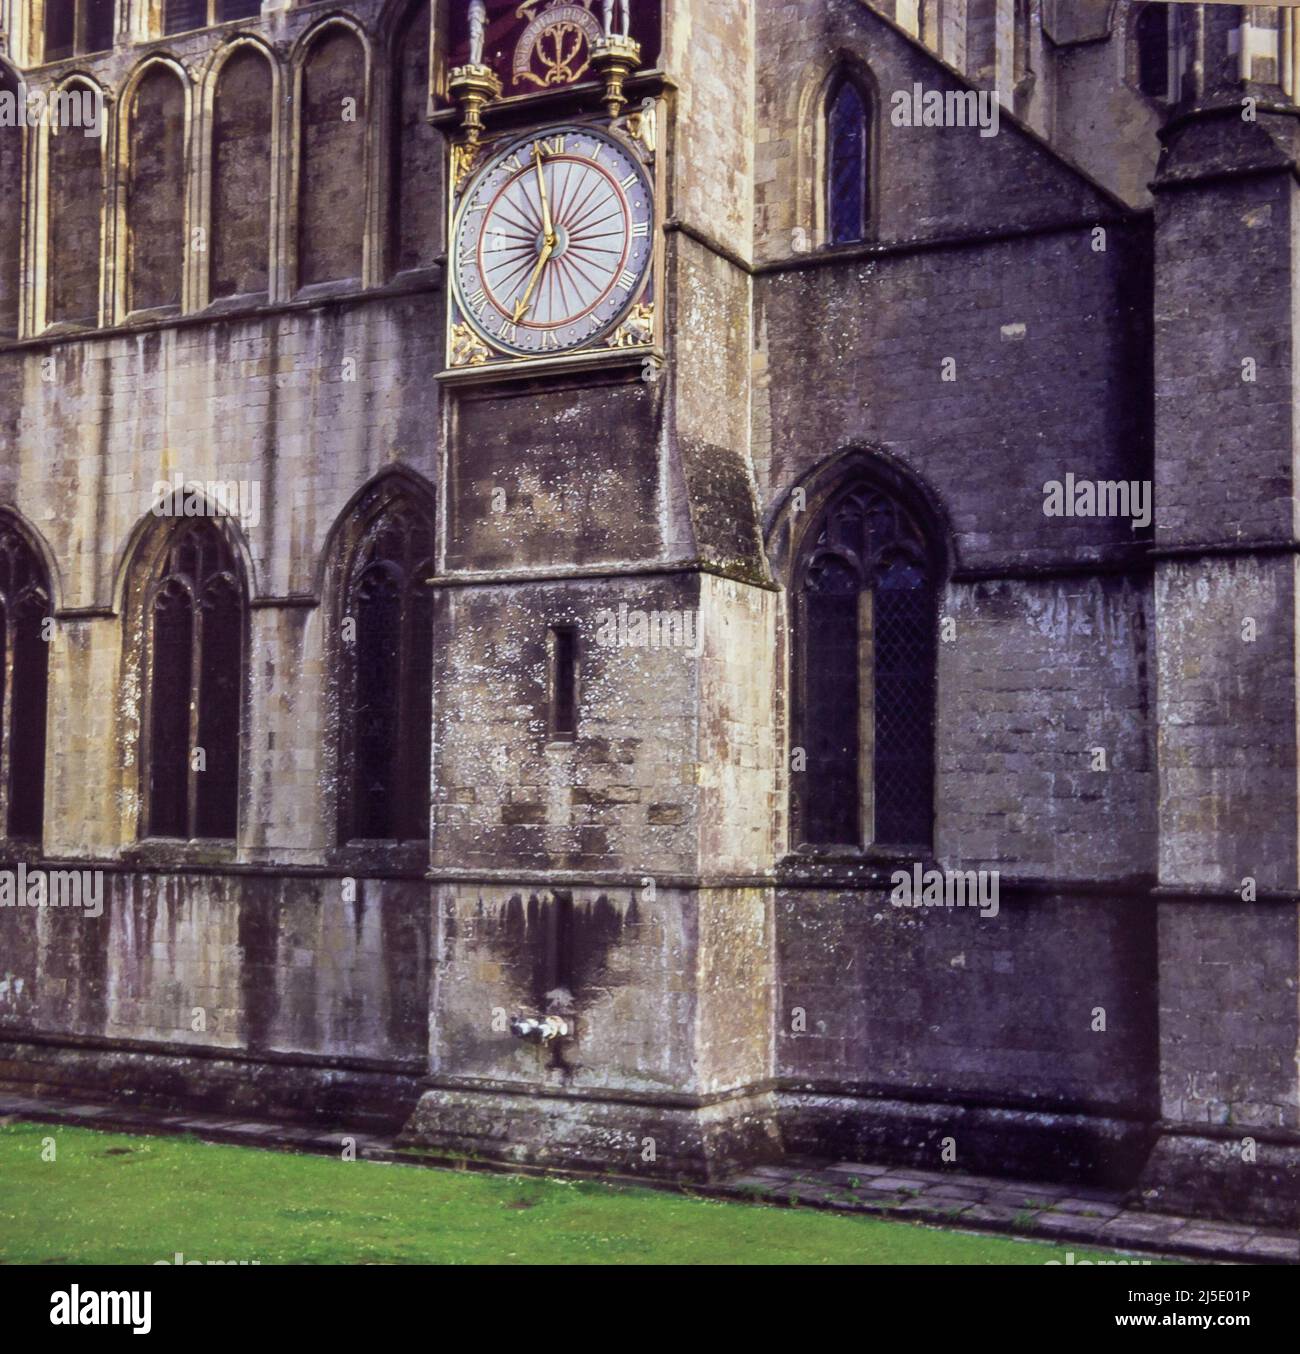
(179, 16)
(848, 144)
(24, 669)
(196, 617)
(74, 27)
(832, 683)
(99, 25)
(864, 709)
(387, 679)
(221, 619)
(60, 29)
(903, 624)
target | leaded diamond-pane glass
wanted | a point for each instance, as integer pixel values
(388, 688)
(846, 166)
(24, 674)
(903, 634)
(867, 616)
(196, 674)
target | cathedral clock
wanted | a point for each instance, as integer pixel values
(553, 248)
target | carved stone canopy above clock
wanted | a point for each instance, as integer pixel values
(535, 46)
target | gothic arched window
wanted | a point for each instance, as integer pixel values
(24, 669)
(241, 176)
(195, 616)
(332, 160)
(76, 221)
(387, 629)
(865, 617)
(848, 162)
(416, 160)
(155, 191)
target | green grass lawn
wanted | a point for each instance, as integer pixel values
(123, 1199)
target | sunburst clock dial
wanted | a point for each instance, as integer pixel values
(553, 242)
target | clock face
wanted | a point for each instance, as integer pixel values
(553, 242)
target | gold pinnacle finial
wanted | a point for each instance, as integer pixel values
(615, 57)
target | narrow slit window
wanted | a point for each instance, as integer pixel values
(11, 213)
(564, 681)
(1152, 33)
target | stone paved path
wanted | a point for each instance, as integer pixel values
(1096, 1218)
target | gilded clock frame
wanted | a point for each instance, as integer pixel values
(638, 338)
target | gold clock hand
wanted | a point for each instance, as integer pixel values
(548, 226)
(521, 306)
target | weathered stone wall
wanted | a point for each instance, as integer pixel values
(304, 404)
(308, 972)
(1102, 120)
(75, 228)
(623, 794)
(950, 1012)
(995, 334)
(658, 979)
(1228, 714)
(1230, 479)
(332, 194)
(895, 1026)
(1046, 729)
(1228, 1020)
(878, 330)
(531, 483)
(672, 765)
(1225, 591)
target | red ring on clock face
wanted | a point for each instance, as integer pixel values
(589, 209)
